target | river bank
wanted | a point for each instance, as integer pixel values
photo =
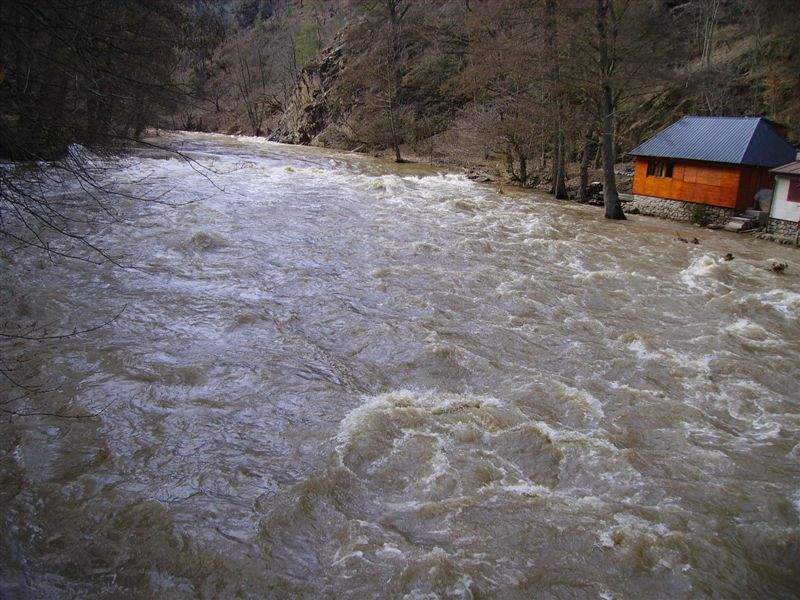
(487, 172)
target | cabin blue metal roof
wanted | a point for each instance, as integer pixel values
(733, 140)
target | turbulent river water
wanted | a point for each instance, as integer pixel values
(337, 378)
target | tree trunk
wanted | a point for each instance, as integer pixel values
(586, 157)
(393, 132)
(510, 164)
(397, 157)
(138, 126)
(523, 169)
(559, 187)
(710, 9)
(395, 79)
(559, 183)
(543, 156)
(613, 208)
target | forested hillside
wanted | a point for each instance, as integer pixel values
(95, 72)
(515, 88)
(518, 86)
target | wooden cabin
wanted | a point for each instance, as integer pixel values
(716, 161)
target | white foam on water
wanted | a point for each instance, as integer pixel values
(583, 439)
(358, 554)
(700, 274)
(705, 435)
(592, 404)
(390, 551)
(795, 451)
(699, 364)
(538, 227)
(250, 139)
(642, 352)
(406, 190)
(526, 488)
(443, 423)
(585, 274)
(514, 287)
(765, 428)
(425, 247)
(752, 333)
(582, 273)
(749, 403)
(784, 302)
(629, 527)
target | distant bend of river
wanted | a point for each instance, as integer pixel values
(340, 378)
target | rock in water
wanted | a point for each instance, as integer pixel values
(778, 267)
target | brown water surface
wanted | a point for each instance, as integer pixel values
(336, 378)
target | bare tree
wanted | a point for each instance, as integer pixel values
(75, 79)
(559, 187)
(588, 151)
(81, 81)
(708, 17)
(395, 11)
(251, 82)
(605, 21)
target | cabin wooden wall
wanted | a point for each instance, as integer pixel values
(691, 181)
(752, 179)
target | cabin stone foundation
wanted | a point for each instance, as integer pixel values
(781, 228)
(677, 210)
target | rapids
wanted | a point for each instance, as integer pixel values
(340, 378)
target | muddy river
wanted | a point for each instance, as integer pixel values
(338, 378)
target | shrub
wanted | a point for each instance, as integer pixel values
(700, 215)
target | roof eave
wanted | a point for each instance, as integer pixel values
(700, 160)
(791, 169)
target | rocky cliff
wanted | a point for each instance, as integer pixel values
(308, 117)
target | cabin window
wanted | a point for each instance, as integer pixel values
(659, 168)
(794, 190)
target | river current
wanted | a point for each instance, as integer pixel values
(339, 378)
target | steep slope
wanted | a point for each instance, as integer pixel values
(308, 113)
